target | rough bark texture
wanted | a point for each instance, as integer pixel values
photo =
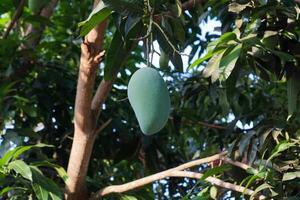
(86, 113)
(15, 18)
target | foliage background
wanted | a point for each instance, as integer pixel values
(249, 76)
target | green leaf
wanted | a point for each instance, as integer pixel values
(228, 62)
(201, 60)
(98, 15)
(15, 153)
(283, 56)
(60, 170)
(203, 194)
(126, 7)
(293, 88)
(223, 39)
(118, 52)
(177, 61)
(178, 30)
(5, 190)
(20, 167)
(290, 176)
(282, 146)
(44, 186)
(260, 188)
(237, 8)
(178, 8)
(213, 192)
(245, 141)
(115, 56)
(20, 150)
(212, 68)
(126, 197)
(215, 171)
(131, 22)
(40, 192)
(201, 198)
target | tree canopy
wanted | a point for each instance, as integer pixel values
(234, 91)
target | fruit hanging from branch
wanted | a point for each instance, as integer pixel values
(36, 5)
(149, 97)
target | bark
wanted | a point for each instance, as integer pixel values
(15, 18)
(86, 113)
(33, 33)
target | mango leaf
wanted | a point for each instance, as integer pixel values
(60, 170)
(282, 146)
(98, 15)
(203, 195)
(207, 197)
(126, 197)
(212, 48)
(178, 30)
(126, 7)
(215, 170)
(201, 60)
(237, 8)
(131, 22)
(222, 40)
(293, 88)
(290, 176)
(283, 56)
(40, 192)
(5, 190)
(260, 188)
(15, 153)
(245, 141)
(44, 186)
(228, 62)
(212, 68)
(177, 8)
(213, 192)
(177, 61)
(115, 56)
(20, 167)
(118, 52)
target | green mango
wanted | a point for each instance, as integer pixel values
(149, 97)
(163, 60)
(36, 5)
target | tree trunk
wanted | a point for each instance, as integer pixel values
(86, 113)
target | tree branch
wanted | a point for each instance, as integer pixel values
(35, 33)
(215, 181)
(178, 172)
(15, 18)
(154, 177)
(190, 4)
(236, 163)
(100, 96)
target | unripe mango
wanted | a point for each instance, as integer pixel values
(149, 97)
(163, 60)
(36, 5)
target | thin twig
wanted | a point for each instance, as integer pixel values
(215, 126)
(236, 163)
(215, 181)
(15, 18)
(103, 126)
(190, 4)
(168, 40)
